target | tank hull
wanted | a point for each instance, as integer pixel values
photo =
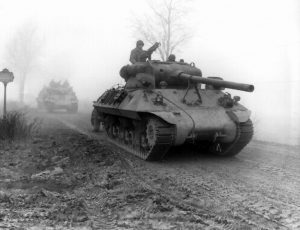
(189, 121)
(207, 117)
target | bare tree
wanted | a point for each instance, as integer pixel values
(165, 23)
(22, 53)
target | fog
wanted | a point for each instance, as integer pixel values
(250, 41)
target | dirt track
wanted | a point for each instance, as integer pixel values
(258, 189)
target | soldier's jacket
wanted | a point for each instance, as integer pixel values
(138, 55)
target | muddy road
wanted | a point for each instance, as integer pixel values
(260, 186)
(257, 189)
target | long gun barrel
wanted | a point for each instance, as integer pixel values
(218, 83)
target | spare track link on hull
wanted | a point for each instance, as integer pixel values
(151, 141)
(243, 137)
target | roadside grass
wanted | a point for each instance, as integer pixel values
(16, 125)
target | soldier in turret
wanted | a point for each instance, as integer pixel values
(140, 55)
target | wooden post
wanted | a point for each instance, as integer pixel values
(4, 103)
(5, 78)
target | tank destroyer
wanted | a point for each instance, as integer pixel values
(58, 96)
(165, 104)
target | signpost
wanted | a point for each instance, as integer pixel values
(5, 78)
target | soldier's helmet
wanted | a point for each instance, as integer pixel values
(171, 57)
(139, 42)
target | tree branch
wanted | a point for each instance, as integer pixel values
(164, 23)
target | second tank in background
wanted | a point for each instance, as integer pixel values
(58, 96)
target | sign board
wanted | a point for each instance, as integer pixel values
(6, 76)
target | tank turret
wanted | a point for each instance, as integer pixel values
(166, 104)
(169, 70)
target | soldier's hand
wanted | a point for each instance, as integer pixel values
(157, 44)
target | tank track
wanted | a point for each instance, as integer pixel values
(151, 138)
(243, 137)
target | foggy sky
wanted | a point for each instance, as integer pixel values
(250, 41)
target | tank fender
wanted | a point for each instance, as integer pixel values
(185, 124)
(182, 122)
(239, 116)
